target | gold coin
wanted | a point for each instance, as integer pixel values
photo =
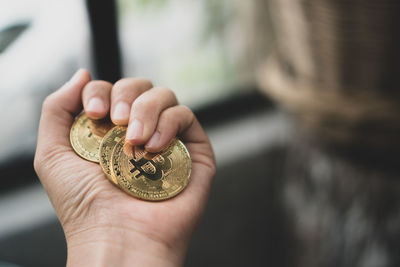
(106, 148)
(152, 176)
(86, 135)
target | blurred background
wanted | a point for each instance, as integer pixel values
(299, 97)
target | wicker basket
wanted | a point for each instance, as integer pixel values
(336, 67)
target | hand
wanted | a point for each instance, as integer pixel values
(102, 224)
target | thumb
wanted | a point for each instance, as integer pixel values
(58, 112)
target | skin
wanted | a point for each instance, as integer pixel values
(104, 226)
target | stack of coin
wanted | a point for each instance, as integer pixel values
(145, 175)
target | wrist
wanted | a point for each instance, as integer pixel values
(114, 246)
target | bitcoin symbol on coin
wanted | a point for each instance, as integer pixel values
(152, 169)
(148, 175)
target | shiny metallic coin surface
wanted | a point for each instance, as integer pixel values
(107, 145)
(152, 176)
(86, 135)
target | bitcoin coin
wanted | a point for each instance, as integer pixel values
(151, 176)
(86, 135)
(107, 145)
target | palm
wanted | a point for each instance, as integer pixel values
(96, 195)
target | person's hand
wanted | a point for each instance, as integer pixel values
(102, 224)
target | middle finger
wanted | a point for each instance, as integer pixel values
(123, 93)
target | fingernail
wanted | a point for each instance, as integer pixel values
(77, 76)
(95, 105)
(121, 112)
(153, 140)
(135, 130)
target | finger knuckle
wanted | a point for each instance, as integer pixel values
(140, 83)
(178, 115)
(144, 83)
(171, 95)
(96, 87)
(49, 103)
(97, 84)
(121, 82)
(187, 112)
(102, 83)
(144, 103)
(185, 109)
(89, 85)
(166, 93)
(168, 115)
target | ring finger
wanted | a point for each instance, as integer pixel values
(145, 112)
